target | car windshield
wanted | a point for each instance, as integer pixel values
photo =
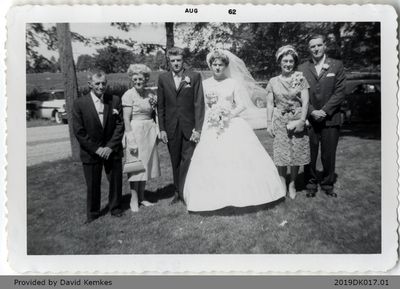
(44, 96)
(59, 95)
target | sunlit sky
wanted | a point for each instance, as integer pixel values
(145, 33)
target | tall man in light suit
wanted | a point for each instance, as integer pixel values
(98, 127)
(180, 115)
(327, 91)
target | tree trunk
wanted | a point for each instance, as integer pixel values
(169, 28)
(70, 80)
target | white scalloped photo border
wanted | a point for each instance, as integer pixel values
(197, 264)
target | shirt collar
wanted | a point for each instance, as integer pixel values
(179, 74)
(95, 98)
(321, 62)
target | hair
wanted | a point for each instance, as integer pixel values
(139, 69)
(287, 50)
(216, 54)
(174, 51)
(95, 72)
(316, 36)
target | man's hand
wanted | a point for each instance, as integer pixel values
(104, 152)
(318, 115)
(163, 136)
(100, 151)
(195, 137)
(107, 152)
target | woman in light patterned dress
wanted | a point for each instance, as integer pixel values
(141, 132)
(288, 92)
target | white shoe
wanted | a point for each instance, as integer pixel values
(146, 204)
(134, 208)
(292, 191)
(134, 203)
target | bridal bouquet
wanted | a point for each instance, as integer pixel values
(219, 117)
(211, 98)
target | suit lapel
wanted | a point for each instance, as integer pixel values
(182, 82)
(311, 67)
(171, 80)
(325, 71)
(106, 111)
(93, 110)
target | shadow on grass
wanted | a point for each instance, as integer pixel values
(160, 194)
(301, 179)
(237, 211)
(153, 197)
(364, 130)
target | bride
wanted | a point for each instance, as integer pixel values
(229, 167)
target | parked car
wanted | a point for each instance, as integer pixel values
(363, 99)
(30, 110)
(49, 104)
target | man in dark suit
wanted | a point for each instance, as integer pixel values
(98, 127)
(180, 115)
(327, 91)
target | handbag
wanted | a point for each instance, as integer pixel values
(135, 166)
(132, 163)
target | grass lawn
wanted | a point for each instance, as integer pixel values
(349, 224)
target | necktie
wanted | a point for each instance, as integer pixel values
(177, 80)
(100, 109)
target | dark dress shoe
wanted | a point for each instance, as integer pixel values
(92, 217)
(175, 200)
(89, 220)
(311, 193)
(117, 213)
(330, 193)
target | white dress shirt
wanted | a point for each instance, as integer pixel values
(99, 105)
(319, 64)
(177, 79)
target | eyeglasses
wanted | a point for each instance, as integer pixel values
(98, 83)
(137, 79)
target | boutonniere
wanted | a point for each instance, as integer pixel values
(325, 66)
(186, 80)
(115, 111)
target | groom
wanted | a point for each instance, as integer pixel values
(180, 115)
(327, 91)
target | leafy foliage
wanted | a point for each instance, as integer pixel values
(357, 44)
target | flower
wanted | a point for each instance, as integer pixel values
(211, 98)
(219, 117)
(297, 82)
(325, 66)
(187, 79)
(153, 100)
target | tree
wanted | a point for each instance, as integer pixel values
(357, 44)
(169, 31)
(70, 80)
(113, 59)
(36, 33)
(85, 62)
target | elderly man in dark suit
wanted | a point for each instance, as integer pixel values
(180, 115)
(326, 78)
(98, 127)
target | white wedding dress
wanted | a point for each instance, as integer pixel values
(231, 168)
